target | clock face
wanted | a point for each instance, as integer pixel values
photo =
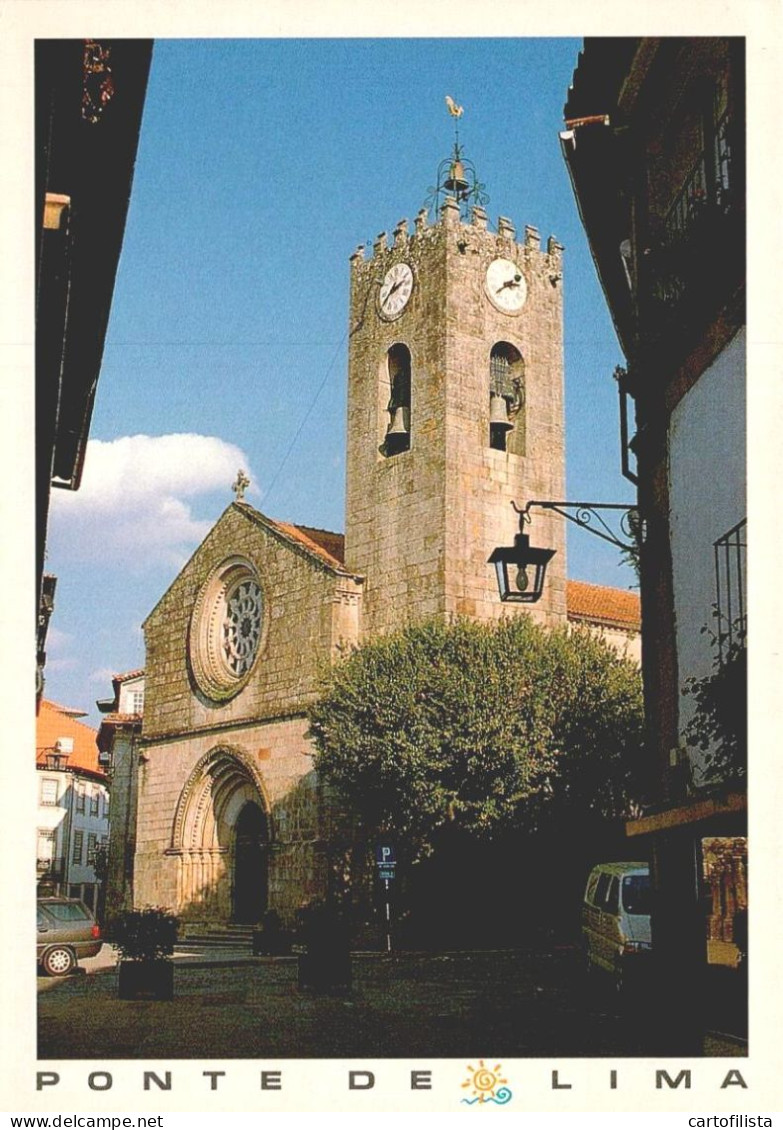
(505, 286)
(396, 289)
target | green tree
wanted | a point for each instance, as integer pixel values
(719, 724)
(481, 727)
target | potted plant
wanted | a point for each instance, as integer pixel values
(145, 939)
(270, 938)
(325, 964)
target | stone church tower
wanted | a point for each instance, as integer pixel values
(455, 407)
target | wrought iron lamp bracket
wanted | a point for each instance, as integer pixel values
(586, 515)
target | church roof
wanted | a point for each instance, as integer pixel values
(54, 722)
(325, 546)
(599, 604)
(329, 546)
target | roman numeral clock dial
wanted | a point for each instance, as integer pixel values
(396, 289)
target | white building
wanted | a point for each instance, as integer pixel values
(73, 805)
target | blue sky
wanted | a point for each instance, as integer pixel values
(262, 164)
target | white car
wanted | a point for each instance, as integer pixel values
(616, 933)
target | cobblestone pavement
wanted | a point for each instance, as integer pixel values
(503, 1003)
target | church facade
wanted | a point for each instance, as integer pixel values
(455, 408)
(229, 821)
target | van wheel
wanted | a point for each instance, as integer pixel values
(59, 961)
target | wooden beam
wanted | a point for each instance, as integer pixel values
(694, 813)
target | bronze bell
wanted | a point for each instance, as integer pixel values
(498, 413)
(456, 181)
(399, 424)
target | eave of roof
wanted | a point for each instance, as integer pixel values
(114, 722)
(320, 545)
(74, 153)
(595, 160)
(309, 539)
(127, 676)
(600, 604)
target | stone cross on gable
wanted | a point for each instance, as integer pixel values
(241, 485)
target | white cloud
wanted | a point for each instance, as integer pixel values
(134, 503)
(103, 675)
(57, 640)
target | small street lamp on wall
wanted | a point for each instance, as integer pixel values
(521, 567)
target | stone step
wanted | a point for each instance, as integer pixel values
(229, 936)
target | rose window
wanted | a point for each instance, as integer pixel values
(227, 629)
(242, 627)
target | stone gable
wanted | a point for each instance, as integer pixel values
(310, 609)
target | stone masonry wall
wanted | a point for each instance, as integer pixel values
(282, 757)
(202, 761)
(124, 787)
(421, 524)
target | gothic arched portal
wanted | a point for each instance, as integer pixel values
(221, 838)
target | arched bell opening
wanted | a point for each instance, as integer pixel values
(398, 429)
(506, 398)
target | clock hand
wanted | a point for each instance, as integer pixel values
(510, 282)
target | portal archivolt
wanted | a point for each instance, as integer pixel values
(222, 803)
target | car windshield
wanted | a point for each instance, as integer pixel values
(66, 911)
(636, 894)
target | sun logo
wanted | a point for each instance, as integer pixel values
(487, 1085)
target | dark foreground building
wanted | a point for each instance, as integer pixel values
(654, 141)
(89, 98)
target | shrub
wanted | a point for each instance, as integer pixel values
(145, 935)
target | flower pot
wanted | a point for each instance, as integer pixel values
(146, 980)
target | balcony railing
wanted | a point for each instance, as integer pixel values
(731, 588)
(723, 161)
(691, 233)
(688, 203)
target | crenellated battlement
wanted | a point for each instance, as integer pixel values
(502, 241)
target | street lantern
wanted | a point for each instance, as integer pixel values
(520, 569)
(528, 564)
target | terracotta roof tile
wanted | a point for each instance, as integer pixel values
(127, 676)
(603, 605)
(71, 711)
(314, 540)
(334, 544)
(54, 722)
